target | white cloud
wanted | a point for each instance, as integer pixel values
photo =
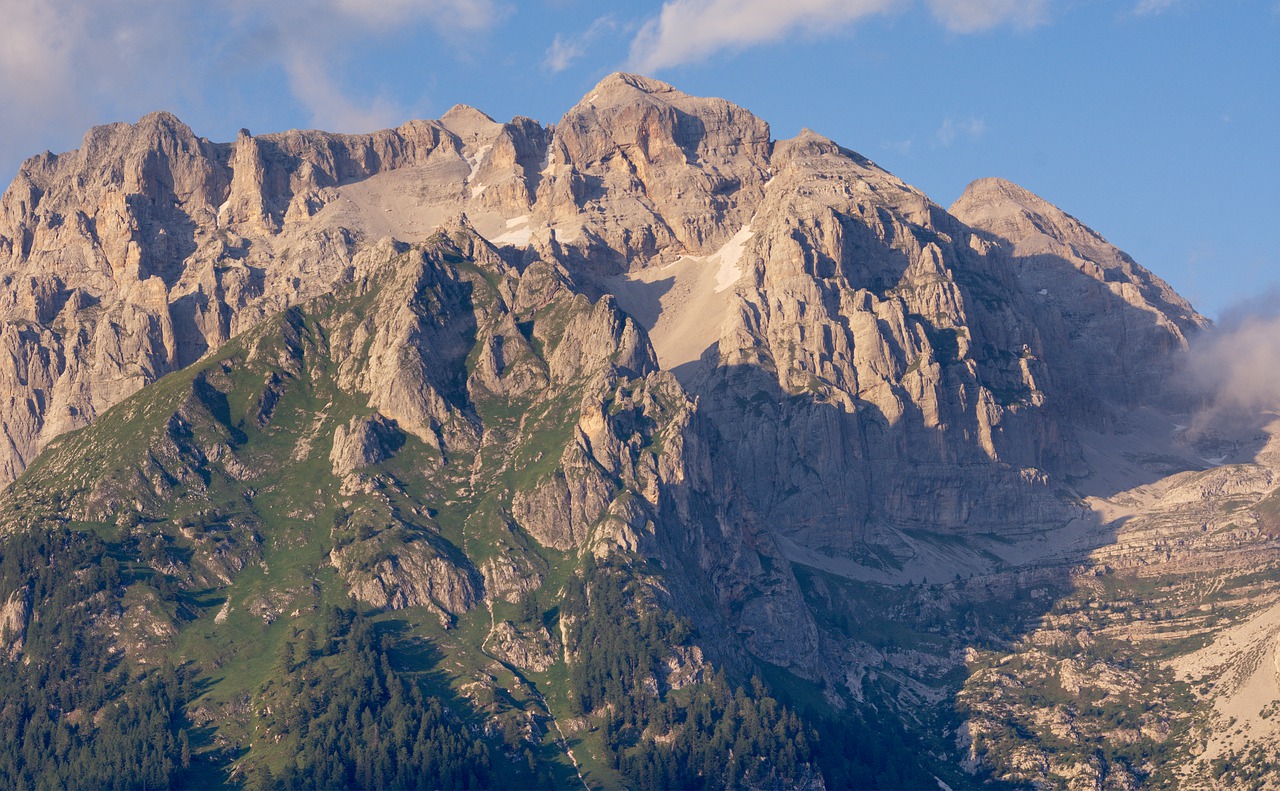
(312, 38)
(953, 129)
(565, 50)
(562, 53)
(971, 16)
(689, 31)
(902, 147)
(67, 64)
(331, 109)
(1235, 368)
(1145, 7)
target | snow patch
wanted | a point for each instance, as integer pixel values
(567, 234)
(729, 272)
(1044, 292)
(519, 232)
(475, 160)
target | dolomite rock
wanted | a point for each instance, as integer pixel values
(882, 367)
(685, 666)
(1084, 293)
(676, 173)
(880, 348)
(561, 511)
(509, 578)
(14, 617)
(414, 576)
(149, 246)
(361, 442)
(527, 650)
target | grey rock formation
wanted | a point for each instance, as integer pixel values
(15, 615)
(860, 367)
(526, 650)
(362, 442)
(413, 575)
(1084, 294)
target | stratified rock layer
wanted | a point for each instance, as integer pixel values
(872, 365)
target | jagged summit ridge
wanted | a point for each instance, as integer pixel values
(834, 277)
(629, 400)
(1034, 226)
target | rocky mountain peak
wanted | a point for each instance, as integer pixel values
(1035, 228)
(469, 123)
(621, 87)
(1022, 217)
(679, 174)
(550, 381)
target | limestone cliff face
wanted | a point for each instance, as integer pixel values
(14, 617)
(877, 367)
(913, 336)
(643, 170)
(1108, 324)
(871, 364)
(149, 246)
(456, 368)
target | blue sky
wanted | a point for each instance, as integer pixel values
(1153, 121)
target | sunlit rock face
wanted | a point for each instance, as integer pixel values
(843, 431)
(868, 360)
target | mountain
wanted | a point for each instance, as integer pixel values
(641, 449)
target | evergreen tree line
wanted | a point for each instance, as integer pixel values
(708, 735)
(368, 725)
(72, 716)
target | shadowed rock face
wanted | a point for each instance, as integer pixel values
(782, 385)
(914, 336)
(1084, 294)
(911, 370)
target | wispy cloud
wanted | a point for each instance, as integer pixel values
(901, 147)
(1147, 7)
(953, 129)
(65, 64)
(690, 31)
(566, 50)
(330, 107)
(971, 16)
(313, 38)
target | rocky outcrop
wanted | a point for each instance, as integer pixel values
(361, 442)
(389, 574)
(15, 614)
(876, 368)
(880, 376)
(509, 578)
(561, 511)
(638, 170)
(149, 246)
(528, 650)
